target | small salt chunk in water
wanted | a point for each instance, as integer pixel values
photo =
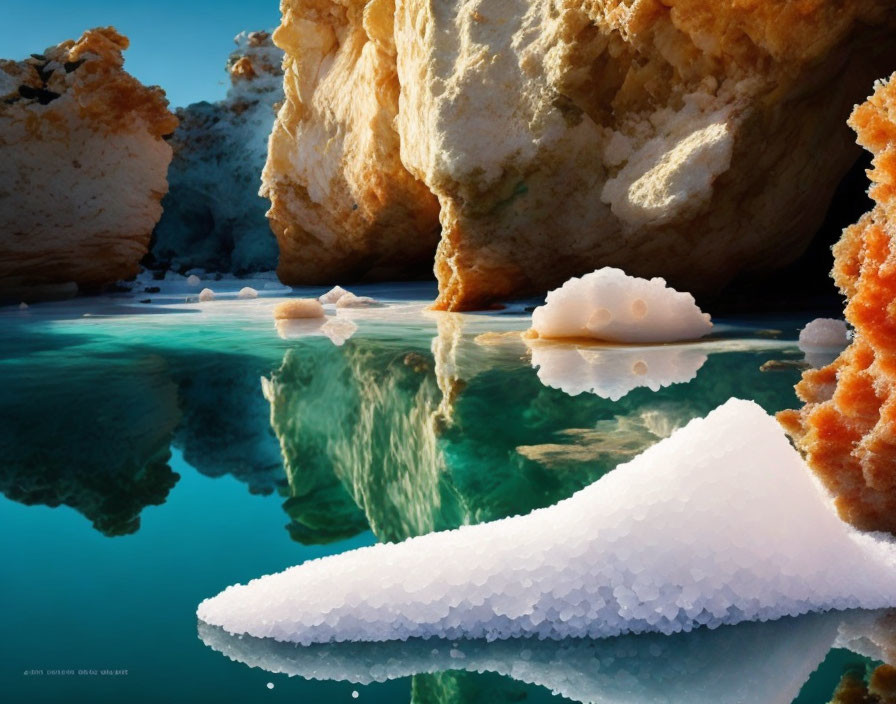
(206, 295)
(333, 295)
(350, 300)
(247, 293)
(298, 308)
(824, 332)
(193, 280)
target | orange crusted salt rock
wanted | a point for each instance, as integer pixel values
(83, 170)
(847, 429)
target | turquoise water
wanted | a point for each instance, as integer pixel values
(155, 453)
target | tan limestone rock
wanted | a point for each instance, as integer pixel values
(83, 169)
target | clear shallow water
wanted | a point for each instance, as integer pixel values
(189, 447)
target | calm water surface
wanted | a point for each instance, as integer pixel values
(153, 454)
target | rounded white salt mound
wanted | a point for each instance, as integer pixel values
(299, 308)
(193, 280)
(247, 293)
(720, 523)
(206, 295)
(610, 305)
(827, 333)
(333, 295)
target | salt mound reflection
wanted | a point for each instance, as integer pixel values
(752, 662)
(613, 372)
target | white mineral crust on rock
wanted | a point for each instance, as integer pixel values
(609, 305)
(720, 523)
(214, 217)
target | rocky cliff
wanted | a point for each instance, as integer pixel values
(214, 218)
(549, 138)
(83, 169)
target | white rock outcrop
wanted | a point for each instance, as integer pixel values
(214, 217)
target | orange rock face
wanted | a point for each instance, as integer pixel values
(84, 166)
(847, 429)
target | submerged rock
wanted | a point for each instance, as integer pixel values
(83, 169)
(847, 429)
(663, 138)
(718, 524)
(214, 218)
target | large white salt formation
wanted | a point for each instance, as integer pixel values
(613, 372)
(719, 523)
(753, 662)
(214, 218)
(609, 305)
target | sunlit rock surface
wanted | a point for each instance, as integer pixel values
(406, 428)
(343, 205)
(847, 429)
(609, 305)
(718, 524)
(664, 138)
(83, 167)
(761, 662)
(92, 437)
(214, 218)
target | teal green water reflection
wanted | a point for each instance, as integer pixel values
(189, 449)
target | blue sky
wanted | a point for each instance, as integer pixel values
(181, 45)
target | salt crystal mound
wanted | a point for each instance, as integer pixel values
(822, 341)
(610, 305)
(719, 523)
(755, 662)
(613, 372)
(824, 333)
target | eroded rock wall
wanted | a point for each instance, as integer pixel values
(343, 205)
(847, 429)
(690, 140)
(83, 168)
(214, 218)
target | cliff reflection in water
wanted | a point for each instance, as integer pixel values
(409, 435)
(86, 426)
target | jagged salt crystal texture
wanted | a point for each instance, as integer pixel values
(824, 332)
(613, 372)
(719, 523)
(610, 305)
